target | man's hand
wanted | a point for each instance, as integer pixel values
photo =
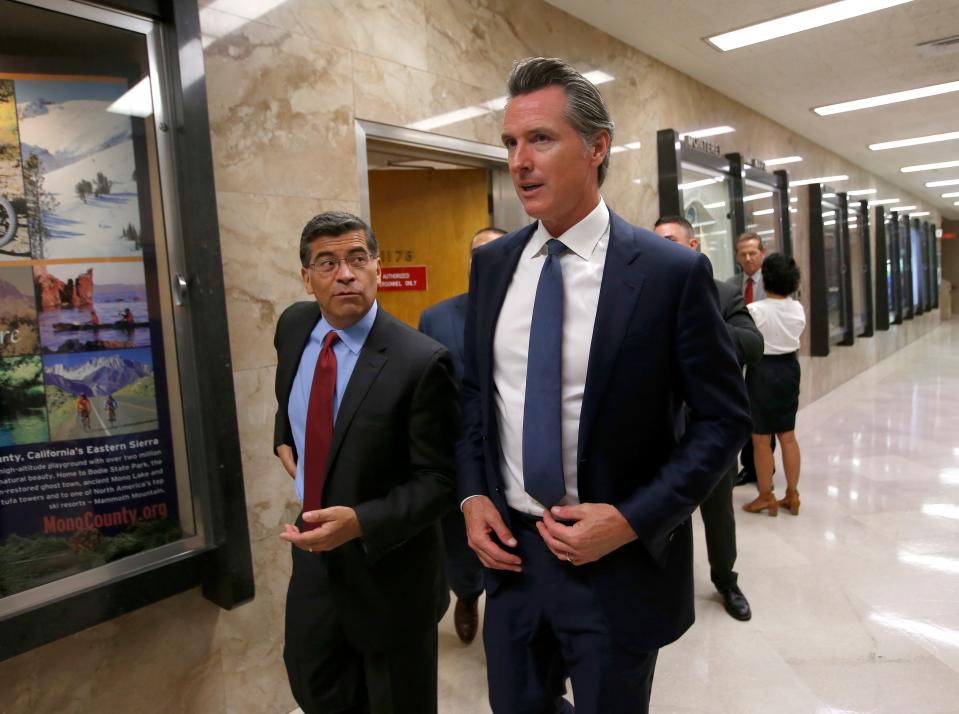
(482, 518)
(285, 453)
(599, 529)
(338, 524)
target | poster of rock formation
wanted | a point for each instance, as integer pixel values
(86, 453)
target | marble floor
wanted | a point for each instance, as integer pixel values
(856, 601)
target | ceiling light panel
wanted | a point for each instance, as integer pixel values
(920, 213)
(929, 167)
(861, 192)
(799, 22)
(950, 194)
(883, 99)
(884, 201)
(783, 160)
(900, 209)
(711, 131)
(819, 179)
(915, 141)
(944, 182)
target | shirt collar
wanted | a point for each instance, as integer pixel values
(581, 238)
(354, 336)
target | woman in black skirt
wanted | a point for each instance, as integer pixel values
(773, 384)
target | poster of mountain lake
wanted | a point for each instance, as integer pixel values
(79, 168)
(23, 419)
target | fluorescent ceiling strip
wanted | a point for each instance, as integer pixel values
(711, 131)
(950, 194)
(829, 195)
(946, 182)
(699, 184)
(757, 196)
(861, 192)
(900, 209)
(929, 139)
(764, 212)
(920, 213)
(783, 160)
(718, 204)
(794, 199)
(884, 201)
(819, 179)
(704, 223)
(955, 203)
(929, 167)
(799, 22)
(892, 98)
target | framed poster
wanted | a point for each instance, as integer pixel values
(87, 474)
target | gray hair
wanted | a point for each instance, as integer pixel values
(585, 108)
(334, 223)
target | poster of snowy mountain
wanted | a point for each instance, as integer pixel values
(123, 376)
(78, 168)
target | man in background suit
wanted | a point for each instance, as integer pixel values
(444, 322)
(750, 251)
(719, 520)
(584, 337)
(366, 422)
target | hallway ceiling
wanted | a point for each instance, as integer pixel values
(785, 78)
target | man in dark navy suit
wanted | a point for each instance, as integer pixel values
(719, 518)
(584, 337)
(445, 322)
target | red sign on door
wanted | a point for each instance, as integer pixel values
(400, 278)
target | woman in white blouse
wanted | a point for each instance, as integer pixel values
(773, 384)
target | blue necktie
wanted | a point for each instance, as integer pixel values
(542, 421)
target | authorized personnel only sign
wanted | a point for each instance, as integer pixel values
(406, 277)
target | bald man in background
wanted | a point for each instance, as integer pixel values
(445, 322)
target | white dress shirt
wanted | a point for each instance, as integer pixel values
(583, 266)
(759, 291)
(781, 323)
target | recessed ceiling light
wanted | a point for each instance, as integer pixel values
(929, 167)
(819, 179)
(950, 194)
(955, 203)
(718, 204)
(793, 199)
(699, 184)
(764, 212)
(892, 98)
(903, 208)
(920, 213)
(945, 182)
(617, 149)
(757, 196)
(930, 139)
(637, 180)
(783, 160)
(884, 201)
(829, 195)
(711, 131)
(798, 22)
(861, 192)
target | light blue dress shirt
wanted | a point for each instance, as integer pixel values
(347, 352)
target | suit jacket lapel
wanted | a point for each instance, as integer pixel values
(368, 365)
(618, 295)
(295, 344)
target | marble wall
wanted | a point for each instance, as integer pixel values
(286, 79)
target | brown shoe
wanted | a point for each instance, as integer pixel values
(466, 619)
(763, 502)
(791, 502)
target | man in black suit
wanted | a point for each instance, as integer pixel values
(750, 251)
(366, 423)
(444, 322)
(719, 520)
(584, 337)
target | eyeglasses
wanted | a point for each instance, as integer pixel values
(327, 265)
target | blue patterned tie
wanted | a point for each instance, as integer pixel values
(542, 421)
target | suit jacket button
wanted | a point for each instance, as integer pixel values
(671, 536)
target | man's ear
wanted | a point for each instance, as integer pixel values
(305, 274)
(694, 243)
(601, 146)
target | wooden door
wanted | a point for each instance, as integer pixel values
(427, 217)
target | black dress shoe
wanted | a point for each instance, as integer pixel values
(736, 603)
(745, 476)
(466, 619)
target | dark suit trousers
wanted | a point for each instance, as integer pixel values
(463, 569)
(546, 623)
(329, 676)
(719, 522)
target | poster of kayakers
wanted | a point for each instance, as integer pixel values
(18, 313)
(92, 306)
(100, 394)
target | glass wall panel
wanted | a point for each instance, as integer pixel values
(706, 205)
(834, 268)
(93, 475)
(762, 211)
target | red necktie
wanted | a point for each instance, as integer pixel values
(319, 427)
(748, 294)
